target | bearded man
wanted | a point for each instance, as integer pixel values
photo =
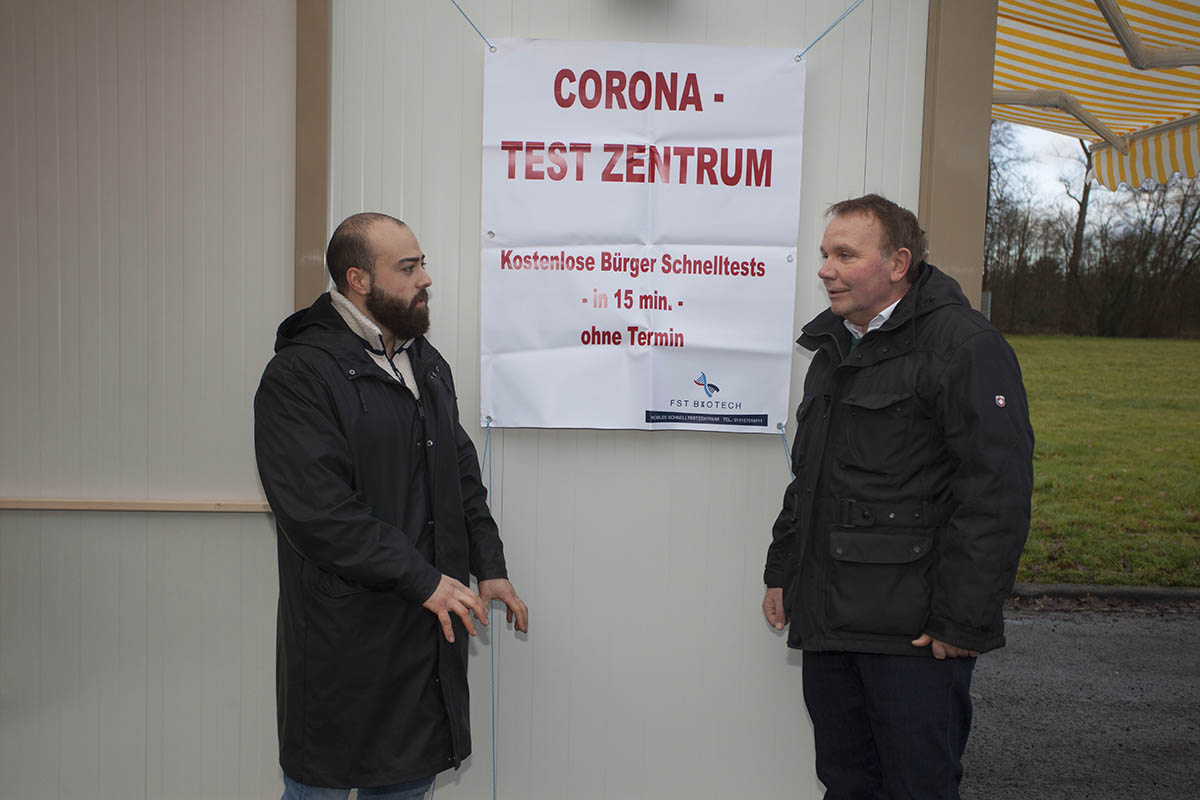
(381, 518)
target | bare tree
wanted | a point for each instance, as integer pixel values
(1124, 263)
(1150, 260)
(1074, 300)
(1003, 153)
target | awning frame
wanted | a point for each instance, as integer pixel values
(1126, 153)
(1061, 101)
(1140, 56)
(1166, 127)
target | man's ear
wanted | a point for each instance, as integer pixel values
(358, 281)
(901, 263)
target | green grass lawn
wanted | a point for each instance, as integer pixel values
(1117, 463)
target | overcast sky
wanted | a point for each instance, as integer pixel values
(1048, 155)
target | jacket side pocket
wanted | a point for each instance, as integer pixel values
(879, 581)
(332, 587)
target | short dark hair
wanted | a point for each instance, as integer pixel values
(900, 226)
(350, 247)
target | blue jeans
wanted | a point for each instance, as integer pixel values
(888, 726)
(413, 790)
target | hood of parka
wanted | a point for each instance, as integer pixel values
(319, 325)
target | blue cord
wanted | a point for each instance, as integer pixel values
(491, 46)
(487, 444)
(787, 456)
(487, 458)
(492, 623)
(845, 14)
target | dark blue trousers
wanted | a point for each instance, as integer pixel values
(888, 727)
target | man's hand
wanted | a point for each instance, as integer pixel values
(942, 650)
(772, 607)
(500, 589)
(451, 596)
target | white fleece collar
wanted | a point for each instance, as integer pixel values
(360, 324)
(399, 367)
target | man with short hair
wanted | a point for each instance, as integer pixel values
(381, 519)
(899, 537)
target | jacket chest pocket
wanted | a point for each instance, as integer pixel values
(877, 427)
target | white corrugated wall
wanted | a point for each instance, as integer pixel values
(146, 236)
(649, 671)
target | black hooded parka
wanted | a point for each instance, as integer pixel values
(376, 494)
(913, 475)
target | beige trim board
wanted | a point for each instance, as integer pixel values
(954, 145)
(314, 90)
(64, 504)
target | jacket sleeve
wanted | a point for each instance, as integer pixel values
(483, 535)
(487, 551)
(985, 419)
(784, 533)
(307, 469)
(783, 538)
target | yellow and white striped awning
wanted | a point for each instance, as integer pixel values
(1069, 66)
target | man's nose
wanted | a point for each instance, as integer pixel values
(826, 272)
(423, 280)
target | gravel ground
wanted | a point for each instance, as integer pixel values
(1091, 698)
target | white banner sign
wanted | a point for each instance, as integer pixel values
(639, 234)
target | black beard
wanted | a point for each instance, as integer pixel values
(404, 320)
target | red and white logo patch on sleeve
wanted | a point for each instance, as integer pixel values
(1000, 401)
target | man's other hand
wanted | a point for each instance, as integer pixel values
(942, 650)
(452, 597)
(772, 607)
(500, 589)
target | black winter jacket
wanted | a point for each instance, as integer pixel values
(913, 464)
(375, 495)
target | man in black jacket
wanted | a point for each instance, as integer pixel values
(899, 537)
(382, 518)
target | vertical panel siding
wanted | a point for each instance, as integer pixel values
(11, 390)
(649, 671)
(147, 168)
(145, 217)
(138, 655)
(146, 206)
